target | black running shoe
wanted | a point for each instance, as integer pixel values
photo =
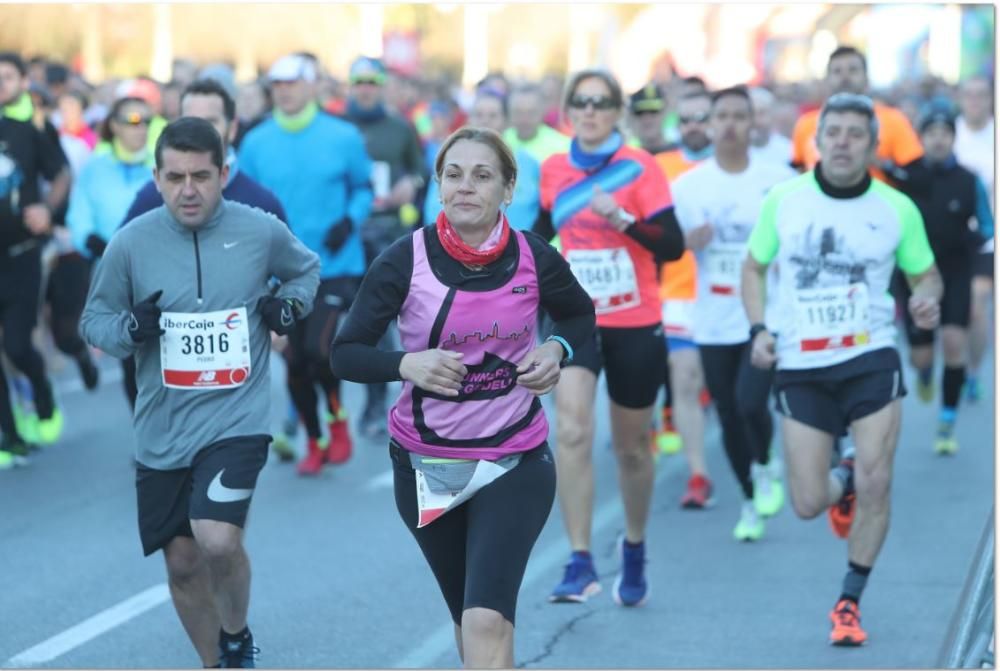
(238, 654)
(88, 371)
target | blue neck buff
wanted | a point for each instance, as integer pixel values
(592, 160)
(695, 156)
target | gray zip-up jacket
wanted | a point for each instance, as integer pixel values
(224, 264)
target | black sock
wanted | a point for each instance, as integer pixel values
(951, 386)
(226, 637)
(633, 546)
(925, 374)
(855, 581)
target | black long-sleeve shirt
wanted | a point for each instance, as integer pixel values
(660, 234)
(354, 356)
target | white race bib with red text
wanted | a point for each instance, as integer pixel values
(205, 350)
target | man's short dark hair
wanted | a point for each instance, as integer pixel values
(211, 87)
(56, 73)
(695, 80)
(190, 134)
(694, 95)
(15, 60)
(737, 91)
(845, 50)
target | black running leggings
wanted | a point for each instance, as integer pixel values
(478, 552)
(308, 353)
(67, 295)
(20, 293)
(7, 425)
(740, 393)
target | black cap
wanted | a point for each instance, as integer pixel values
(647, 99)
(937, 112)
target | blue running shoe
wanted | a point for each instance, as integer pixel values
(631, 587)
(973, 389)
(239, 653)
(579, 583)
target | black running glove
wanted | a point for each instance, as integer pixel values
(144, 322)
(279, 314)
(96, 245)
(338, 234)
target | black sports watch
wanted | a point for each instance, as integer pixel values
(755, 329)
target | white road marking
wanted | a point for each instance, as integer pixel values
(380, 481)
(91, 628)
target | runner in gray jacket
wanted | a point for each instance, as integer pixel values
(185, 289)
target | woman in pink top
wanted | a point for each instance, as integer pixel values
(474, 476)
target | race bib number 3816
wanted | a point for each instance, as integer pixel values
(205, 349)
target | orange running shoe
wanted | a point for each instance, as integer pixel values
(841, 515)
(847, 631)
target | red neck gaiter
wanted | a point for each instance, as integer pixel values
(463, 253)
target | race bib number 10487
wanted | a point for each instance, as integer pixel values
(202, 350)
(608, 277)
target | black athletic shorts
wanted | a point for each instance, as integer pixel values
(983, 265)
(956, 304)
(218, 486)
(634, 361)
(479, 551)
(832, 398)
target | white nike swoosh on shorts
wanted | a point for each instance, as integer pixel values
(219, 493)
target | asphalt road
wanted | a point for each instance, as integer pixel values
(338, 581)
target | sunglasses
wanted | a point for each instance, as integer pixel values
(701, 118)
(598, 102)
(134, 119)
(645, 112)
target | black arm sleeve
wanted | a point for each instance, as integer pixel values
(543, 225)
(562, 296)
(353, 354)
(660, 234)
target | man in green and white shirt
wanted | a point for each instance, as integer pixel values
(836, 235)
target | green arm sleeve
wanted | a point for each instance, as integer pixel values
(914, 255)
(763, 243)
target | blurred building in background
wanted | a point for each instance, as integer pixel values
(724, 44)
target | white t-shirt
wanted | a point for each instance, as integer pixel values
(837, 256)
(974, 149)
(731, 204)
(777, 150)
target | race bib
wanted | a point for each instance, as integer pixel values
(678, 318)
(608, 277)
(381, 179)
(439, 491)
(723, 262)
(202, 350)
(832, 317)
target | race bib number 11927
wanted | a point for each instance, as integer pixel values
(832, 317)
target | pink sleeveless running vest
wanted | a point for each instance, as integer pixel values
(492, 416)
